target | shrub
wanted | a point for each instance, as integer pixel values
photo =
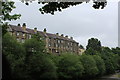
(89, 65)
(40, 67)
(100, 65)
(69, 67)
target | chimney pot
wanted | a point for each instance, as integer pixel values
(71, 38)
(66, 36)
(24, 26)
(57, 34)
(62, 35)
(45, 30)
(35, 30)
(19, 25)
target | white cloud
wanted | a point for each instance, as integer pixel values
(82, 22)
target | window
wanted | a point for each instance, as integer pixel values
(18, 33)
(49, 45)
(49, 39)
(29, 36)
(58, 41)
(23, 34)
(18, 39)
(68, 43)
(71, 44)
(56, 45)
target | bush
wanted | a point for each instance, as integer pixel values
(89, 65)
(69, 67)
(100, 65)
(110, 69)
(40, 67)
(15, 54)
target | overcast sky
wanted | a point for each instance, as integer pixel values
(82, 22)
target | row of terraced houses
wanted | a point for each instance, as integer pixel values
(55, 43)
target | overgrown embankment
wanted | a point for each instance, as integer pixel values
(29, 61)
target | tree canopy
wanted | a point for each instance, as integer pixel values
(52, 7)
(94, 45)
(6, 10)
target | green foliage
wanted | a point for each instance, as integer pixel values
(15, 54)
(33, 46)
(29, 61)
(116, 50)
(106, 55)
(94, 44)
(116, 61)
(51, 7)
(6, 9)
(4, 28)
(40, 67)
(81, 47)
(91, 51)
(69, 67)
(89, 65)
(100, 65)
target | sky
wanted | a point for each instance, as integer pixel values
(82, 22)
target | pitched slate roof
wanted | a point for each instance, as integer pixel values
(31, 31)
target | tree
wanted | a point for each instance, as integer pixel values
(10, 49)
(107, 56)
(69, 67)
(94, 45)
(6, 69)
(40, 67)
(81, 47)
(51, 7)
(100, 65)
(91, 51)
(6, 9)
(33, 46)
(116, 61)
(116, 50)
(89, 65)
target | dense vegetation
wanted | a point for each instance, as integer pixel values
(29, 60)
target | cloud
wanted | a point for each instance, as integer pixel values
(82, 22)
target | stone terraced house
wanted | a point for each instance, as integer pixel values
(55, 43)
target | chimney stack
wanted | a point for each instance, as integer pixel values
(66, 36)
(35, 30)
(45, 30)
(71, 38)
(19, 25)
(24, 26)
(57, 34)
(62, 35)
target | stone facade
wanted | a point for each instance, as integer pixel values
(55, 43)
